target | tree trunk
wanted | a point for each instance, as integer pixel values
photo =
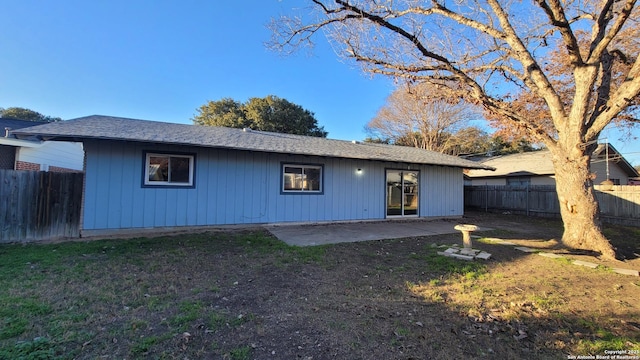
(578, 204)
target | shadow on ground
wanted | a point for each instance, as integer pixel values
(246, 295)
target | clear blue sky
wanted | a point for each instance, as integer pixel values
(161, 59)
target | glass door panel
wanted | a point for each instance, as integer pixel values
(394, 193)
(410, 183)
(402, 193)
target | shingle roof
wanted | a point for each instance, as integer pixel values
(123, 129)
(540, 163)
(14, 124)
(527, 163)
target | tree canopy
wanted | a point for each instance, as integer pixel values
(26, 114)
(421, 117)
(558, 71)
(270, 113)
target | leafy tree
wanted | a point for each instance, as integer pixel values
(465, 141)
(499, 146)
(26, 114)
(376, 140)
(421, 117)
(470, 140)
(225, 112)
(502, 55)
(265, 114)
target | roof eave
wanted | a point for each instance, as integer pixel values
(76, 138)
(20, 142)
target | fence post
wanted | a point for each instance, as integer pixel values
(527, 194)
(486, 197)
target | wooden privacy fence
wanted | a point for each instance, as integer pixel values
(621, 205)
(38, 205)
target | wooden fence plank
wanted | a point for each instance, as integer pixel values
(619, 206)
(37, 205)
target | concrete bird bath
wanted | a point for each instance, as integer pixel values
(466, 230)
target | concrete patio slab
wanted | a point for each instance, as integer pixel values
(332, 233)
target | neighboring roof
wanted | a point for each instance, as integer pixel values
(14, 124)
(614, 157)
(123, 129)
(539, 163)
(535, 163)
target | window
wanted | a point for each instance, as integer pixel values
(169, 169)
(301, 178)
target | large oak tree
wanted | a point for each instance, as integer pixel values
(495, 52)
(26, 114)
(270, 113)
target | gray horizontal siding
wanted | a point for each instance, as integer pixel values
(242, 187)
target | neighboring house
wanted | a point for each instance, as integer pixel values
(147, 174)
(608, 163)
(32, 154)
(536, 168)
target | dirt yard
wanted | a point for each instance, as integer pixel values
(245, 295)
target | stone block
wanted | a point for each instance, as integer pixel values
(451, 251)
(525, 249)
(626, 271)
(550, 255)
(471, 252)
(483, 255)
(462, 257)
(585, 263)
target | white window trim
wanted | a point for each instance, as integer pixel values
(302, 166)
(148, 182)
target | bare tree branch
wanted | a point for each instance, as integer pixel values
(602, 38)
(558, 19)
(619, 101)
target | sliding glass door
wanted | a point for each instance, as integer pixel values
(402, 193)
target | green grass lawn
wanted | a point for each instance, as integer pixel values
(119, 296)
(245, 295)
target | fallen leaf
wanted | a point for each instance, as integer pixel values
(521, 335)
